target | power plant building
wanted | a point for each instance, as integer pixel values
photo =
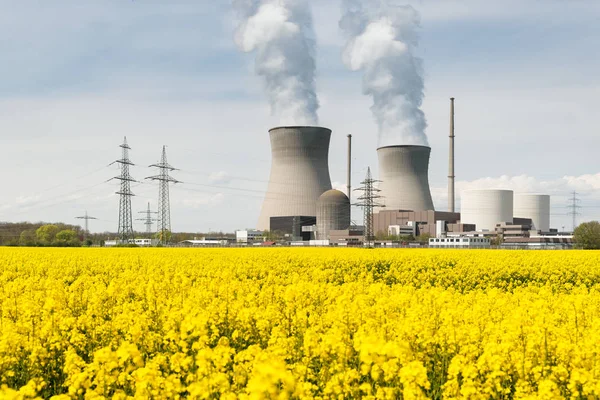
(424, 222)
(535, 207)
(403, 171)
(299, 173)
(333, 213)
(486, 208)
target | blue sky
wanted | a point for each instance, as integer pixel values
(78, 76)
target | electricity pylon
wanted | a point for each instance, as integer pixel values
(574, 209)
(368, 202)
(148, 220)
(125, 194)
(86, 217)
(164, 209)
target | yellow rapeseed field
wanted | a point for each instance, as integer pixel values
(299, 324)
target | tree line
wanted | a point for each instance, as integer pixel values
(66, 235)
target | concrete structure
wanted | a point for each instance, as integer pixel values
(424, 222)
(249, 236)
(403, 171)
(299, 172)
(486, 208)
(460, 243)
(349, 169)
(451, 175)
(533, 206)
(333, 213)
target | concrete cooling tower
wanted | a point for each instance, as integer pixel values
(486, 208)
(333, 213)
(533, 206)
(403, 171)
(299, 172)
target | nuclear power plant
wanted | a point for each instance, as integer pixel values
(300, 203)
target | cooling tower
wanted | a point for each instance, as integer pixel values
(299, 172)
(333, 213)
(403, 171)
(533, 206)
(486, 208)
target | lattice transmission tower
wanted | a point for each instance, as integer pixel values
(574, 206)
(125, 194)
(148, 220)
(86, 217)
(368, 201)
(164, 209)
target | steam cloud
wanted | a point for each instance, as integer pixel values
(281, 33)
(382, 36)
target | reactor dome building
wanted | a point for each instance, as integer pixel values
(403, 171)
(299, 173)
(535, 207)
(486, 208)
(333, 213)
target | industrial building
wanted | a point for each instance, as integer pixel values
(249, 236)
(294, 228)
(460, 243)
(420, 222)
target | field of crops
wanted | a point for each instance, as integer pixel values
(299, 323)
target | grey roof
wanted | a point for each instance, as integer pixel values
(334, 196)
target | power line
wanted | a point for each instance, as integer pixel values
(164, 208)
(148, 220)
(86, 217)
(125, 230)
(368, 202)
(574, 206)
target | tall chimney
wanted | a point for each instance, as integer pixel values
(451, 175)
(349, 177)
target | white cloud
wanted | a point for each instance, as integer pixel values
(219, 178)
(199, 201)
(25, 200)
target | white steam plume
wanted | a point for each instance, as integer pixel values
(281, 34)
(382, 36)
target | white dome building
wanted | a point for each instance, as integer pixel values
(486, 208)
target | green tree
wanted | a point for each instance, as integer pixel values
(167, 236)
(46, 234)
(424, 238)
(27, 238)
(587, 235)
(66, 237)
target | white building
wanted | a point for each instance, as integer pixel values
(486, 208)
(137, 242)
(204, 243)
(459, 243)
(146, 242)
(402, 230)
(249, 236)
